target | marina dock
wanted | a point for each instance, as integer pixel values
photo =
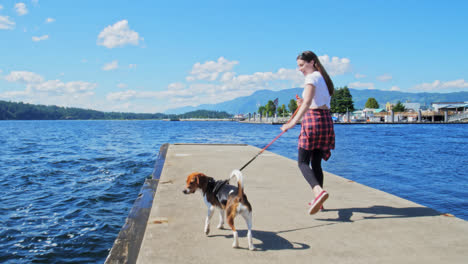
(359, 225)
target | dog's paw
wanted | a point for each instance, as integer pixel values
(220, 226)
(252, 248)
(235, 245)
(207, 230)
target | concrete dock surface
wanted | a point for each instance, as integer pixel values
(360, 224)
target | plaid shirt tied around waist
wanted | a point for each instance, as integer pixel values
(317, 132)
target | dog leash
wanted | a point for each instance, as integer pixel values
(261, 151)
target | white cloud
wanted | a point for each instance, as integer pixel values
(179, 94)
(122, 96)
(50, 86)
(210, 70)
(118, 108)
(359, 76)
(395, 88)
(38, 90)
(8, 95)
(78, 87)
(50, 20)
(215, 81)
(283, 78)
(122, 85)
(1, 7)
(118, 35)
(59, 87)
(335, 66)
(6, 23)
(228, 76)
(176, 86)
(82, 100)
(455, 84)
(290, 74)
(358, 85)
(384, 78)
(21, 9)
(36, 39)
(174, 91)
(111, 66)
(37, 86)
(204, 88)
(438, 86)
(24, 77)
(132, 66)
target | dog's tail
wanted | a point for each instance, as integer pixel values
(240, 183)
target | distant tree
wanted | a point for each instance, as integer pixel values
(205, 114)
(282, 110)
(270, 108)
(292, 105)
(22, 111)
(372, 103)
(399, 107)
(261, 110)
(342, 101)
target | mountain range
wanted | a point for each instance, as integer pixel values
(250, 104)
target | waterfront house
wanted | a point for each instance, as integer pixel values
(450, 106)
(370, 114)
(372, 111)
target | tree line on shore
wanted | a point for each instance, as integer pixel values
(24, 111)
(341, 102)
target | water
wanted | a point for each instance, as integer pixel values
(66, 187)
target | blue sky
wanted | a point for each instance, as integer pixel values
(150, 56)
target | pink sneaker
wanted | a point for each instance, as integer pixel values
(318, 202)
(322, 209)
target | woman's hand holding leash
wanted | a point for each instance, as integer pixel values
(299, 101)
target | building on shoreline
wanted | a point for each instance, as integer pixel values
(450, 106)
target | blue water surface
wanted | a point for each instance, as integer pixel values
(66, 187)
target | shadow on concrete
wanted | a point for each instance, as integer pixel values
(273, 241)
(380, 212)
(270, 241)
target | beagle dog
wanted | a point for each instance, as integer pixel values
(230, 200)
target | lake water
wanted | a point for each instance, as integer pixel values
(67, 186)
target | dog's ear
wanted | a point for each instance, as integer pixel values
(198, 177)
(194, 177)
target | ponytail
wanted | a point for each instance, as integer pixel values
(309, 56)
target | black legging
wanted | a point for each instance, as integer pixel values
(307, 158)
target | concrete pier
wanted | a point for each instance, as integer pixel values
(360, 224)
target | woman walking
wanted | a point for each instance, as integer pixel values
(317, 136)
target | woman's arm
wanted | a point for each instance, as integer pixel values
(309, 93)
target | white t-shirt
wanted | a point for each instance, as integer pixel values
(322, 97)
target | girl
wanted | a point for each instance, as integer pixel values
(317, 136)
